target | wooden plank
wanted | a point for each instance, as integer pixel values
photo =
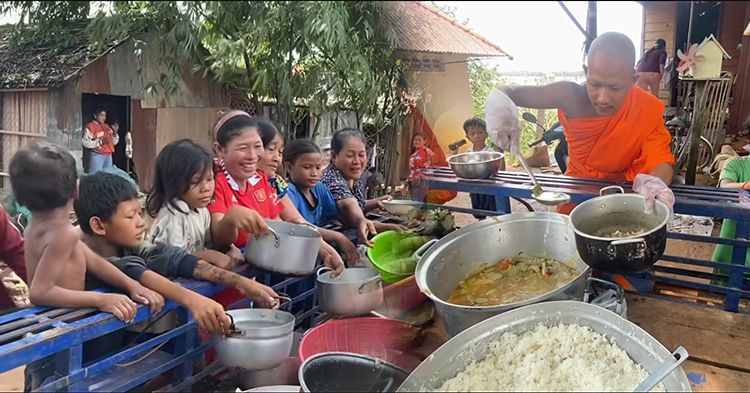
(706, 378)
(714, 336)
(21, 133)
(659, 26)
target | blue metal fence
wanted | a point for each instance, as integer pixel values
(690, 200)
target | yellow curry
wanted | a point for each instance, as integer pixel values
(513, 280)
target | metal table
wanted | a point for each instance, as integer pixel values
(690, 200)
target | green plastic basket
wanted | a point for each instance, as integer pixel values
(391, 268)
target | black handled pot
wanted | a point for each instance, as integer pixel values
(595, 220)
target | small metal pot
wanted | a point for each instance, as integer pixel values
(290, 249)
(477, 164)
(594, 219)
(357, 291)
(349, 372)
(260, 339)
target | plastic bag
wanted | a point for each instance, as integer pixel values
(608, 300)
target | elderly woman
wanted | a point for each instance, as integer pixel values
(344, 179)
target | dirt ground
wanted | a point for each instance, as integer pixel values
(12, 381)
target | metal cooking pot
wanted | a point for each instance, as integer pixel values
(261, 339)
(349, 372)
(453, 258)
(290, 249)
(275, 388)
(284, 374)
(477, 164)
(356, 291)
(472, 344)
(596, 219)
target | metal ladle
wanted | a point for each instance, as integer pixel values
(666, 368)
(548, 198)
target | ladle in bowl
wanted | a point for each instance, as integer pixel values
(548, 198)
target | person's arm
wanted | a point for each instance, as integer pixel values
(662, 62)
(216, 258)
(88, 140)
(290, 213)
(372, 204)
(553, 96)
(730, 176)
(115, 134)
(664, 171)
(223, 228)
(12, 246)
(43, 289)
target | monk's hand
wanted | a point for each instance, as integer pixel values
(503, 125)
(652, 188)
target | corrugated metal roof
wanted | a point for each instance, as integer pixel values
(422, 28)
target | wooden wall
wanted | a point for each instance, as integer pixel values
(659, 20)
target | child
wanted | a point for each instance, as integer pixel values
(182, 189)
(269, 164)
(109, 212)
(417, 182)
(303, 161)
(43, 177)
(476, 131)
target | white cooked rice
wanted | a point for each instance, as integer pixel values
(562, 358)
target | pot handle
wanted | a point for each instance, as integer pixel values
(601, 191)
(276, 237)
(377, 280)
(324, 270)
(620, 242)
(311, 226)
(421, 250)
(284, 299)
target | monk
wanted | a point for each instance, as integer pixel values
(615, 130)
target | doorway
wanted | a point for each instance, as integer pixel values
(118, 110)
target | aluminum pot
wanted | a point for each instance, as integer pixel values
(261, 339)
(289, 249)
(453, 258)
(356, 291)
(284, 374)
(472, 344)
(275, 388)
(349, 372)
(477, 164)
(595, 220)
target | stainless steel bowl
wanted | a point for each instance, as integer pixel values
(401, 207)
(476, 165)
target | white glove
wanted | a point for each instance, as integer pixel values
(503, 125)
(651, 188)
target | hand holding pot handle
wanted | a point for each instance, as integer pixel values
(651, 187)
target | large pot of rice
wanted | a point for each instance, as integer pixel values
(554, 346)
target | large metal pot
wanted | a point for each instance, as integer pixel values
(284, 374)
(594, 220)
(349, 372)
(290, 249)
(454, 257)
(356, 291)
(472, 344)
(261, 339)
(477, 165)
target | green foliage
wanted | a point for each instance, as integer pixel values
(327, 55)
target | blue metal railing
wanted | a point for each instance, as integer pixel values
(690, 200)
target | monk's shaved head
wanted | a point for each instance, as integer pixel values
(615, 46)
(610, 73)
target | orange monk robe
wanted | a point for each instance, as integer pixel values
(634, 140)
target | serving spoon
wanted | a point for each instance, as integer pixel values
(666, 368)
(548, 198)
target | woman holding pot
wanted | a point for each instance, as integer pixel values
(344, 179)
(244, 196)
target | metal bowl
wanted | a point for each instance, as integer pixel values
(401, 207)
(473, 343)
(476, 165)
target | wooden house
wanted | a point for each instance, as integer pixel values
(53, 97)
(726, 22)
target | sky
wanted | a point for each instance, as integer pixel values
(539, 35)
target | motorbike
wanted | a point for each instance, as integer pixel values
(555, 133)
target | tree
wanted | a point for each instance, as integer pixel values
(327, 55)
(448, 10)
(482, 79)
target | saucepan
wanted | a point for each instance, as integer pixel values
(259, 339)
(289, 249)
(356, 291)
(598, 219)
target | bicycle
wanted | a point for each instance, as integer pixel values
(681, 130)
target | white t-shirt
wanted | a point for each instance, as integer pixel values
(190, 231)
(471, 149)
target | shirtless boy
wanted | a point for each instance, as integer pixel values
(44, 178)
